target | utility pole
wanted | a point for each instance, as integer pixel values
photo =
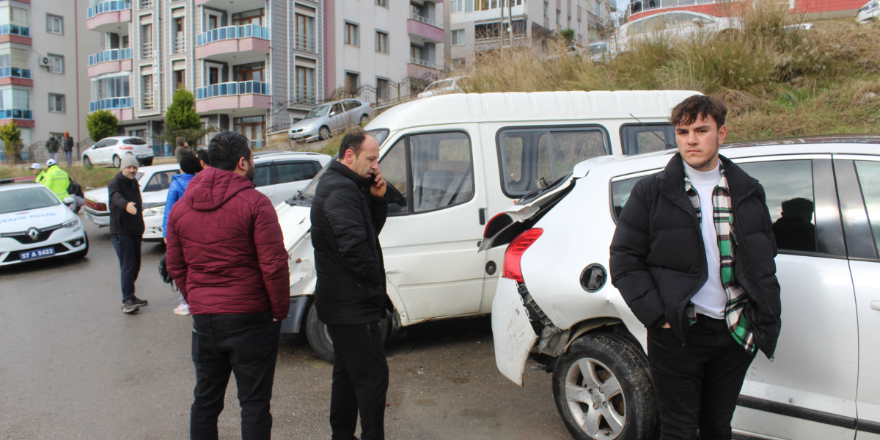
(510, 18)
(501, 25)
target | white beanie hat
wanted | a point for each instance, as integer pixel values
(36, 166)
(128, 161)
(50, 162)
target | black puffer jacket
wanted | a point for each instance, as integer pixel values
(346, 221)
(658, 261)
(123, 190)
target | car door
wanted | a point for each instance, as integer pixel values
(351, 118)
(430, 239)
(263, 179)
(809, 389)
(337, 115)
(99, 154)
(858, 185)
(290, 176)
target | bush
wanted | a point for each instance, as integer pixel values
(181, 119)
(11, 137)
(101, 124)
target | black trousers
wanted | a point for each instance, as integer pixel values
(246, 345)
(128, 249)
(697, 384)
(360, 381)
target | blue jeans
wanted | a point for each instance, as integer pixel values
(69, 156)
(128, 249)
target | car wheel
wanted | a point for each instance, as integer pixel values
(603, 389)
(86, 162)
(117, 162)
(324, 133)
(82, 253)
(146, 162)
(318, 335)
(364, 120)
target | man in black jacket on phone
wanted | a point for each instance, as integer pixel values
(127, 229)
(348, 212)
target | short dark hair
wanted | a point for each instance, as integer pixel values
(190, 165)
(226, 148)
(696, 107)
(180, 141)
(353, 140)
(203, 156)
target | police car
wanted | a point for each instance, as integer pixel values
(35, 224)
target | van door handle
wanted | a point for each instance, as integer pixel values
(482, 216)
(875, 305)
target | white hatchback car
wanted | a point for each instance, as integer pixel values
(669, 25)
(554, 301)
(35, 224)
(869, 12)
(111, 150)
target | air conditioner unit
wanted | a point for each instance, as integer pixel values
(45, 61)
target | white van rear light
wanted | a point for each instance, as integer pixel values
(516, 249)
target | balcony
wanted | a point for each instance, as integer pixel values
(232, 6)
(305, 96)
(180, 44)
(147, 50)
(22, 118)
(122, 107)
(109, 16)
(306, 43)
(15, 76)
(422, 69)
(247, 98)
(234, 44)
(147, 101)
(423, 30)
(11, 33)
(110, 61)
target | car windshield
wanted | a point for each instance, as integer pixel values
(317, 112)
(596, 49)
(308, 192)
(26, 199)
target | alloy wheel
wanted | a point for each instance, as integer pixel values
(595, 399)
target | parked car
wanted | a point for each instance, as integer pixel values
(333, 117)
(671, 25)
(111, 150)
(442, 87)
(599, 52)
(278, 175)
(554, 301)
(35, 224)
(453, 161)
(869, 13)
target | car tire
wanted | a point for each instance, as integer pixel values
(318, 336)
(364, 120)
(616, 366)
(82, 253)
(324, 133)
(146, 162)
(87, 163)
(117, 162)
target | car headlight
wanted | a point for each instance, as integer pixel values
(70, 224)
(154, 210)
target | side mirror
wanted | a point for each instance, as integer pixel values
(69, 200)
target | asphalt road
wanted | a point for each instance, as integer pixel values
(73, 366)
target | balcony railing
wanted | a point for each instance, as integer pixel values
(16, 114)
(14, 72)
(232, 33)
(24, 31)
(418, 17)
(109, 6)
(110, 55)
(147, 50)
(179, 44)
(422, 63)
(111, 104)
(305, 95)
(232, 88)
(147, 101)
(505, 39)
(305, 42)
(146, 4)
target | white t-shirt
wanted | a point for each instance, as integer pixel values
(711, 299)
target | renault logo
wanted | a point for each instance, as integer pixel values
(33, 233)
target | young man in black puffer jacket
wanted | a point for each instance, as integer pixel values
(693, 257)
(348, 212)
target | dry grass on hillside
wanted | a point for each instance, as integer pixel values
(776, 81)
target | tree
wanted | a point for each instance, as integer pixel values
(181, 119)
(11, 137)
(101, 124)
(567, 36)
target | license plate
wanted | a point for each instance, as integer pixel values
(37, 253)
(89, 216)
(142, 156)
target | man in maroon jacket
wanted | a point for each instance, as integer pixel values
(226, 254)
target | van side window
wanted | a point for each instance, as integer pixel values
(393, 167)
(442, 170)
(638, 138)
(546, 155)
(290, 172)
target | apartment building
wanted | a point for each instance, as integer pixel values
(41, 76)
(254, 66)
(476, 25)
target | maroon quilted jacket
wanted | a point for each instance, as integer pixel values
(225, 249)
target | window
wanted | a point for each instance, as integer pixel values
(56, 63)
(442, 170)
(546, 10)
(458, 63)
(249, 72)
(54, 24)
(458, 37)
(558, 16)
(160, 181)
(351, 34)
(351, 104)
(179, 35)
(179, 80)
(646, 138)
(393, 167)
(146, 41)
(17, 59)
(17, 18)
(293, 172)
(416, 52)
(305, 32)
(262, 175)
(530, 156)
(382, 88)
(305, 84)
(382, 3)
(254, 17)
(147, 90)
(56, 103)
(352, 82)
(869, 179)
(381, 42)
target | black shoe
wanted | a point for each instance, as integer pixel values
(129, 306)
(141, 302)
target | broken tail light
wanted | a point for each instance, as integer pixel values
(513, 255)
(96, 205)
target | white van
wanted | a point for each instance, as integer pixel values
(451, 163)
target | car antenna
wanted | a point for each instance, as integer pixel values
(668, 145)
